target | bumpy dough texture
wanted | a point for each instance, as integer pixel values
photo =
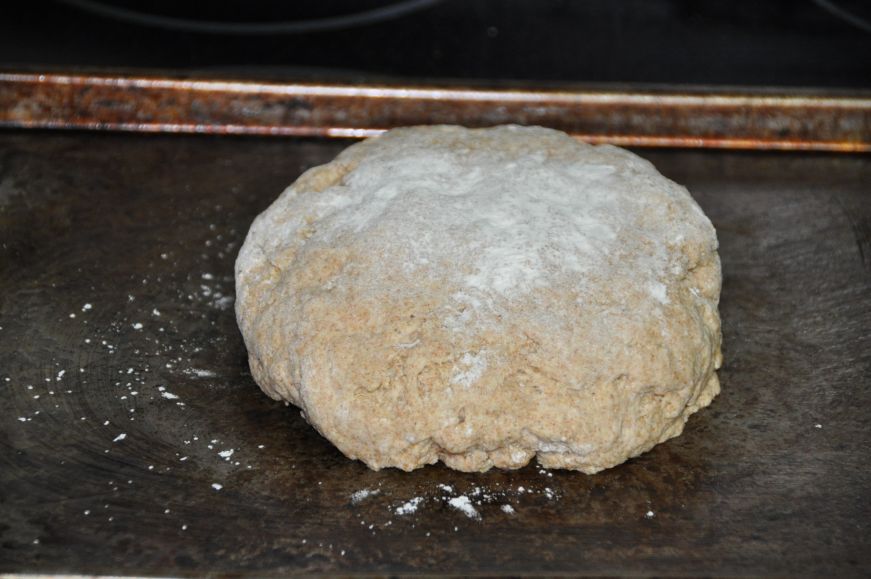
(483, 297)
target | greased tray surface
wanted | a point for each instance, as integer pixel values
(771, 479)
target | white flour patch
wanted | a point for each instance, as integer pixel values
(362, 495)
(658, 291)
(517, 220)
(408, 507)
(120, 437)
(464, 505)
(470, 369)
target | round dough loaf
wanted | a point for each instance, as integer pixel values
(484, 296)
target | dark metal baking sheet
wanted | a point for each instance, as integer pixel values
(773, 478)
(633, 116)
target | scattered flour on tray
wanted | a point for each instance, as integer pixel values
(474, 501)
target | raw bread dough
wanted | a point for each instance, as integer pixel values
(481, 297)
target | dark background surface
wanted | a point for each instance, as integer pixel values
(771, 479)
(784, 43)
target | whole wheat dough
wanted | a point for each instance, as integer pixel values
(481, 297)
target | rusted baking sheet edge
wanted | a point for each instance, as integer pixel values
(735, 120)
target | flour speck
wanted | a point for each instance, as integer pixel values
(409, 507)
(362, 495)
(464, 505)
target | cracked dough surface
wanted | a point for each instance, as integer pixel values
(483, 297)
